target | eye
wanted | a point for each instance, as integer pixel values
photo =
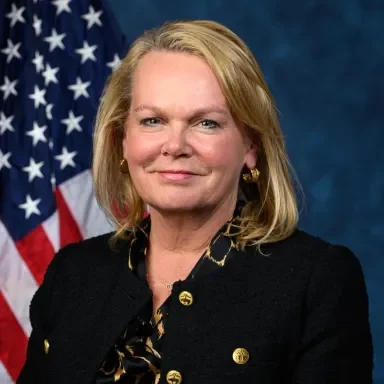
(150, 121)
(210, 124)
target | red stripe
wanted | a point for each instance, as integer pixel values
(69, 229)
(13, 341)
(37, 252)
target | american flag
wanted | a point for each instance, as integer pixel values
(55, 57)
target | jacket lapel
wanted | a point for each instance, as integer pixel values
(84, 354)
(125, 302)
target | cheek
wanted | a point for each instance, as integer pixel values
(138, 151)
(224, 153)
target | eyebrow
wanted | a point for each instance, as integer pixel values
(196, 113)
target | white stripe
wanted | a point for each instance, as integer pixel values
(4, 377)
(16, 281)
(51, 228)
(79, 196)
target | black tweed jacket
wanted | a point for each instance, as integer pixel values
(301, 314)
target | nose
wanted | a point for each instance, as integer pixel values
(176, 142)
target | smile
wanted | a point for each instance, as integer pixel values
(176, 175)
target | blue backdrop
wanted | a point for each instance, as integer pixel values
(324, 61)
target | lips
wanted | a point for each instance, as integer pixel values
(176, 175)
(178, 172)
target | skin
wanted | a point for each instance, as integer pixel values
(179, 120)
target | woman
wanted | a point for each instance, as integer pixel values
(210, 287)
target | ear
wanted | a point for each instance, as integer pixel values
(124, 143)
(250, 157)
(252, 144)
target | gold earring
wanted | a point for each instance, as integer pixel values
(123, 166)
(252, 176)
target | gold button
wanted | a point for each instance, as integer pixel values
(46, 346)
(174, 377)
(186, 298)
(240, 355)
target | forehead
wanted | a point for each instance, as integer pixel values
(175, 77)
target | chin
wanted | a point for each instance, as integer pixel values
(173, 204)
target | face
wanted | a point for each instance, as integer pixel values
(185, 151)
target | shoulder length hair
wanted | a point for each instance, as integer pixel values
(271, 213)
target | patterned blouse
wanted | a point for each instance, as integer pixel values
(136, 356)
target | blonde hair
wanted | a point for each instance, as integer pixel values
(271, 213)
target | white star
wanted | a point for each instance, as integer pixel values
(72, 122)
(66, 158)
(38, 96)
(4, 160)
(50, 74)
(12, 50)
(37, 25)
(34, 170)
(62, 5)
(5, 123)
(30, 207)
(114, 64)
(92, 17)
(53, 180)
(8, 87)
(37, 133)
(55, 40)
(16, 15)
(80, 88)
(38, 61)
(86, 52)
(48, 111)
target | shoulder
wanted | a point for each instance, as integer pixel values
(92, 250)
(93, 243)
(76, 272)
(87, 258)
(305, 257)
(299, 243)
(308, 269)
(332, 265)
(93, 258)
(307, 248)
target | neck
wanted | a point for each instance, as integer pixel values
(187, 233)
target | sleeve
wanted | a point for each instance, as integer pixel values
(39, 312)
(336, 342)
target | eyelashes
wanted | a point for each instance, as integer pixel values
(150, 121)
(213, 124)
(155, 121)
